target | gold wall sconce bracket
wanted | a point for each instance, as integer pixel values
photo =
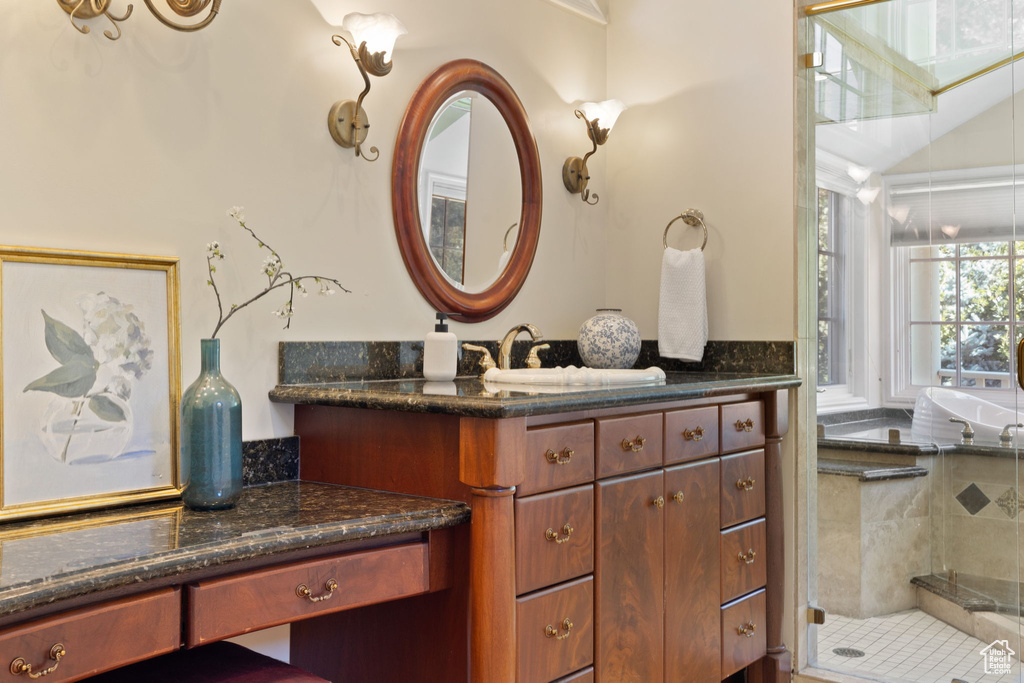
(575, 174)
(347, 120)
(91, 9)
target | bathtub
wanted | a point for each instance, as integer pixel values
(936, 405)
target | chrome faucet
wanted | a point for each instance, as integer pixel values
(1006, 436)
(505, 349)
(967, 434)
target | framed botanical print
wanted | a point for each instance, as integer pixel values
(90, 380)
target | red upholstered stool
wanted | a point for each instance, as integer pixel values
(221, 662)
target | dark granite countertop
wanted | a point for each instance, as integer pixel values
(48, 560)
(472, 397)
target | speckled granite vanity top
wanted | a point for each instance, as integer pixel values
(53, 559)
(470, 396)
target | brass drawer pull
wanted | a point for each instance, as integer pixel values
(303, 591)
(747, 426)
(695, 434)
(745, 484)
(678, 497)
(748, 557)
(20, 666)
(747, 629)
(552, 632)
(636, 445)
(552, 535)
(659, 502)
(562, 458)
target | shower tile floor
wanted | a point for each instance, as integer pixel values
(906, 647)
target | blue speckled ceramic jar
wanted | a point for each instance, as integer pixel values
(211, 437)
(609, 340)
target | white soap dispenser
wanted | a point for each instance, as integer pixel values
(440, 353)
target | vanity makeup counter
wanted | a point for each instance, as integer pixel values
(618, 533)
(117, 586)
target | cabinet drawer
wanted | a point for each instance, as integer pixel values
(94, 639)
(629, 444)
(742, 426)
(554, 537)
(226, 607)
(742, 487)
(691, 434)
(743, 637)
(555, 630)
(743, 560)
(557, 457)
(585, 676)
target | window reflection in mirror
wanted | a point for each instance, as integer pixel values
(469, 150)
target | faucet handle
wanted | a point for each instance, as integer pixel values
(967, 433)
(1006, 436)
(533, 360)
(486, 361)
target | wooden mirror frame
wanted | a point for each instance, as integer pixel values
(448, 79)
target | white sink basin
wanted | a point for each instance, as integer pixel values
(574, 376)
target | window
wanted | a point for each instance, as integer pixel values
(833, 218)
(448, 235)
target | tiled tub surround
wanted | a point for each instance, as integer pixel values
(57, 560)
(318, 362)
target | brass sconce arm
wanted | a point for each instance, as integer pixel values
(347, 120)
(186, 8)
(575, 175)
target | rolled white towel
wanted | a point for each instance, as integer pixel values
(682, 305)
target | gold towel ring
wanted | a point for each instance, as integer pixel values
(504, 243)
(693, 218)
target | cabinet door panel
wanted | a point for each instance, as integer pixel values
(692, 599)
(630, 575)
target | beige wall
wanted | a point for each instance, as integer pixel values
(140, 145)
(710, 126)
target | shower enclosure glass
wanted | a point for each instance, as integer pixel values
(915, 297)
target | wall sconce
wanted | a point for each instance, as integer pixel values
(90, 9)
(373, 38)
(600, 117)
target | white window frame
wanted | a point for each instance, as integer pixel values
(899, 389)
(833, 174)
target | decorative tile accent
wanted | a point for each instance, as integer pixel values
(973, 499)
(1010, 503)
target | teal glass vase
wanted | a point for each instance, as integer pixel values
(211, 437)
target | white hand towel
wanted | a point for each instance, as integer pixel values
(682, 305)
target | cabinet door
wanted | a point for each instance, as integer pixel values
(630, 576)
(692, 565)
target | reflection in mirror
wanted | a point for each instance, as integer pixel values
(469, 152)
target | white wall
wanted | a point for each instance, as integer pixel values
(140, 145)
(710, 126)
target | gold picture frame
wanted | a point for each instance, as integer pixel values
(90, 380)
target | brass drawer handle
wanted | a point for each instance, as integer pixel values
(747, 426)
(695, 434)
(659, 502)
(552, 632)
(636, 445)
(303, 591)
(20, 666)
(678, 497)
(562, 458)
(748, 557)
(552, 535)
(747, 629)
(745, 484)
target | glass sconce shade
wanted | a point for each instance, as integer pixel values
(378, 31)
(606, 112)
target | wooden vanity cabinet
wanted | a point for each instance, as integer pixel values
(648, 492)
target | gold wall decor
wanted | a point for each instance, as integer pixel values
(91, 9)
(89, 380)
(599, 117)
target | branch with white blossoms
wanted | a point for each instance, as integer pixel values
(277, 277)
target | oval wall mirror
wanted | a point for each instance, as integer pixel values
(466, 191)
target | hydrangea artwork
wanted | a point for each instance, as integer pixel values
(277, 278)
(90, 417)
